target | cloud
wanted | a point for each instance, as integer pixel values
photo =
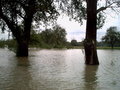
(75, 31)
(112, 19)
(73, 28)
(4, 35)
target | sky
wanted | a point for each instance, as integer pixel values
(73, 28)
(76, 31)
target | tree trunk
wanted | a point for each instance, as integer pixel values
(112, 45)
(91, 57)
(23, 40)
(22, 49)
(21, 33)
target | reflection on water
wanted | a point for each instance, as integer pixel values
(22, 61)
(90, 77)
(59, 70)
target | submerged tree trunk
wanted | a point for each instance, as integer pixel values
(112, 45)
(22, 49)
(91, 57)
(20, 32)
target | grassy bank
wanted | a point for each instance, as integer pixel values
(116, 48)
(81, 47)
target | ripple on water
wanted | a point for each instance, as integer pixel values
(59, 70)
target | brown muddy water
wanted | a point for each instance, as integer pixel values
(59, 70)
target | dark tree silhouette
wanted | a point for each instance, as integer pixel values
(18, 16)
(91, 30)
(74, 42)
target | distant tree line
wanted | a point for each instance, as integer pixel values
(50, 38)
(111, 38)
(56, 38)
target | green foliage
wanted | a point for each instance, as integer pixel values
(112, 36)
(49, 38)
(100, 20)
(35, 39)
(10, 44)
(46, 36)
(76, 9)
(16, 11)
(59, 36)
(18, 15)
(74, 42)
(2, 43)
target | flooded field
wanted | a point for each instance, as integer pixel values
(59, 70)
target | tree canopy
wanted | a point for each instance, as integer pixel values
(18, 16)
(54, 37)
(17, 11)
(77, 9)
(74, 42)
(112, 36)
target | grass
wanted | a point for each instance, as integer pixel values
(81, 47)
(116, 48)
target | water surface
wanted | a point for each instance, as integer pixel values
(59, 70)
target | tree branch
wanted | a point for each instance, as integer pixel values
(11, 25)
(104, 8)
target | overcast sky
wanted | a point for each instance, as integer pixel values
(75, 31)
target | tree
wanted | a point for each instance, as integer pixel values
(91, 29)
(87, 9)
(77, 9)
(59, 36)
(91, 33)
(18, 16)
(112, 36)
(74, 42)
(46, 36)
(35, 39)
(55, 37)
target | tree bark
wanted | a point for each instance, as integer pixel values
(23, 41)
(91, 57)
(22, 49)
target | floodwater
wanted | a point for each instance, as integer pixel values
(59, 70)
